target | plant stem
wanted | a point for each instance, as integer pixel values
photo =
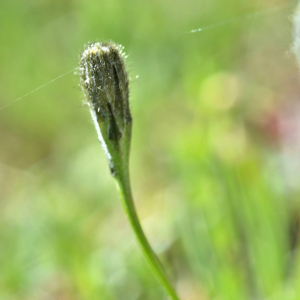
(124, 187)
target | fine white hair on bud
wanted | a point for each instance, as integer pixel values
(104, 82)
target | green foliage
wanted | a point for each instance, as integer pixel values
(209, 160)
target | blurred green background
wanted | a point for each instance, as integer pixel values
(215, 160)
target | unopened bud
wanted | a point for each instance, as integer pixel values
(104, 83)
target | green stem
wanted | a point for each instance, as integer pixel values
(123, 183)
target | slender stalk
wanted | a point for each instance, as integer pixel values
(104, 83)
(124, 187)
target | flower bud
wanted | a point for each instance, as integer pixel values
(104, 82)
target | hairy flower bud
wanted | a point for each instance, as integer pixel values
(104, 82)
